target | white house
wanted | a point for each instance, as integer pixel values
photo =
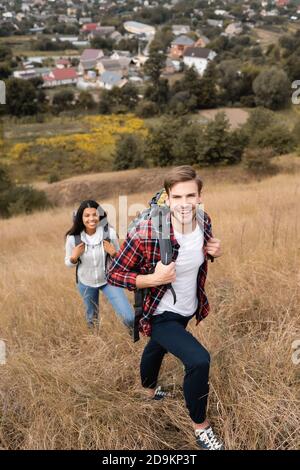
(198, 57)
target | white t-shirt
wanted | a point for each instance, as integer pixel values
(92, 239)
(187, 264)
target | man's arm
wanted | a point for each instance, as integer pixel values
(124, 271)
(126, 264)
(163, 274)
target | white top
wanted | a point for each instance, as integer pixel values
(91, 270)
(187, 264)
(92, 239)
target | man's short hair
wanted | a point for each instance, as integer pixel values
(180, 174)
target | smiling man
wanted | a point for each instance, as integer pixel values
(138, 266)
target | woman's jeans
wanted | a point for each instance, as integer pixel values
(115, 295)
(169, 335)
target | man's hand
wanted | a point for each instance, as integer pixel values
(163, 274)
(213, 247)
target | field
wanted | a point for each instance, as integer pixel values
(64, 387)
(21, 46)
(67, 146)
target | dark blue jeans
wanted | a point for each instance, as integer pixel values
(169, 335)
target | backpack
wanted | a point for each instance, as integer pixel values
(157, 212)
(106, 236)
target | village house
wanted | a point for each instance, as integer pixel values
(202, 41)
(101, 32)
(62, 63)
(109, 80)
(89, 27)
(59, 77)
(180, 29)
(89, 59)
(234, 29)
(198, 57)
(113, 65)
(179, 45)
(215, 23)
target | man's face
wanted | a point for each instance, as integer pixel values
(183, 200)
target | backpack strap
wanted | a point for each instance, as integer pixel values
(165, 245)
(139, 297)
(77, 242)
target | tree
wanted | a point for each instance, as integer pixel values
(230, 81)
(21, 97)
(185, 93)
(129, 152)
(292, 67)
(105, 105)
(5, 70)
(102, 43)
(154, 65)
(130, 44)
(119, 100)
(207, 96)
(258, 120)
(85, 100)
(128, 96)
(159, 145)
(272, 89)
(62, 100)
(182, 103)
(162, 39)
(158, 93)
(185, 148)
(5, 53)
(218, 145)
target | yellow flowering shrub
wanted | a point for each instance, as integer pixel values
(90, 150)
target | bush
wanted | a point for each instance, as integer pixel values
(25, 199)
(258, 161)
(182, 103)
(129, 152)
(19, 199)
(53, 178)
(277, 136)
(146, 109)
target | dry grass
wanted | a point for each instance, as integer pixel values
(63, 387)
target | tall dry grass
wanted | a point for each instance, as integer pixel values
(64, 387)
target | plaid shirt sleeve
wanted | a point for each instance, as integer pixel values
(126, 264)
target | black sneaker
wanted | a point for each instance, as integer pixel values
(159, 394)
(206, 439)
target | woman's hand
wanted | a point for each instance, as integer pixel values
(213, 247)
(77, 252)
(109, 248)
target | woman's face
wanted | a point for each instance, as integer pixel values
(90, 218)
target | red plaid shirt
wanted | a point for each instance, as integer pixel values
(140, 253)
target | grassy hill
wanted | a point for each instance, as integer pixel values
(64, 387)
